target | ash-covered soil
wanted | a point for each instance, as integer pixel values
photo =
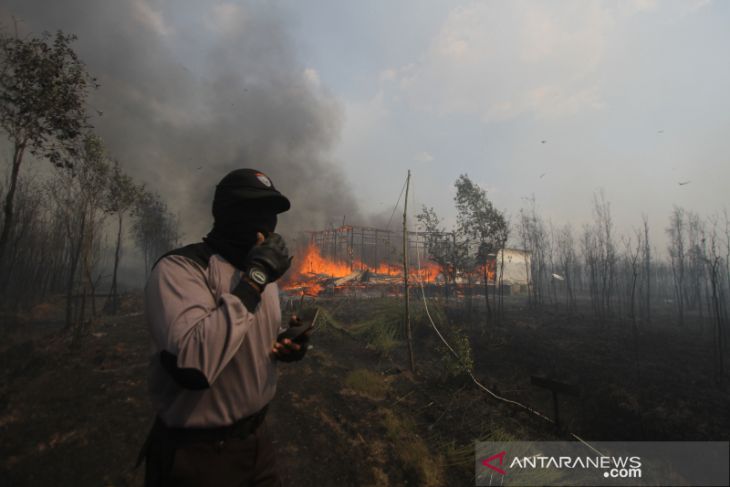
(75, 413)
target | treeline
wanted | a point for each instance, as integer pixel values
(622, 279)
(57, 226)
(625, 279)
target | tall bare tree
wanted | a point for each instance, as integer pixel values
(531, 229)
(607, 251)
(121, 195)
(35, 258)
(599, 254)
(646, 266)
(678, 257)
(567, 263)
(80, 192)
(713, 261)
(155, 228)
(695, 264)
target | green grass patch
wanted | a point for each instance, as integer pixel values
(368, 383)
(380, 322)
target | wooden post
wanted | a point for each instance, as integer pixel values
(334, 244)
(351, 249)
(409, 338)
(555, 387)
(389, 252)
(375, 261)
(362, 249)
(453, 243)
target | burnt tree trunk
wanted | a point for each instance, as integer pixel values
(74, 257)
(718, 348)
(501, 287)
(8, 208)
(486, 292)
(113, 291)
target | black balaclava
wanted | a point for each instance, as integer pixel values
(245, 203)
(234, 234)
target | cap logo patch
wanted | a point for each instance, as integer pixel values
(264, 179)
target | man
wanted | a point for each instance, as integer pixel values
(214, 316)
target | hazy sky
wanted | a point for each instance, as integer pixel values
(632, 97)
(553, 98)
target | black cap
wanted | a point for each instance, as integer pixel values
(248, 188)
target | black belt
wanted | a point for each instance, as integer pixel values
(176, 437)
(240, 429)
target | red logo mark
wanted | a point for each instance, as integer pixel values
(499, 455)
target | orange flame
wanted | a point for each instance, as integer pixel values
(311, 267)
(312, 264)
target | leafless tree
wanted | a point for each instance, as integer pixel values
(677, 254)
(531, 230)
(634, 267)
(121, 195)
(713, 261)
(34, 262)
(79, 192)
(695, 271)
(633, 270)
(550, 252)
(155, 228)
(567, 263)
(605, 254)
(646, 279)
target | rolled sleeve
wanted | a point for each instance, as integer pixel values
(189, 325)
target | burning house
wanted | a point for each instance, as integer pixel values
(349, 260)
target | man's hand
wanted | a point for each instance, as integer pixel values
(288, 350)
(268, 260)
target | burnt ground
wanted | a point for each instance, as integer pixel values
(657, 384)
(76, 413)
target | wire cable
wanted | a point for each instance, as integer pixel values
(396, 204)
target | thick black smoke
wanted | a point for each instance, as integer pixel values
(191, 90)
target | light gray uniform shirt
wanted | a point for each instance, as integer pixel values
(204, 330)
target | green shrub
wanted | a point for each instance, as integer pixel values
(452, 366)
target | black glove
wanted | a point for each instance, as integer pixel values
(267, 261)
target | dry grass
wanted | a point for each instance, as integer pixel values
(412, 450)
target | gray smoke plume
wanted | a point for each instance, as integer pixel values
(191, 90)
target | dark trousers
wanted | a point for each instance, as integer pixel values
(235, 462)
